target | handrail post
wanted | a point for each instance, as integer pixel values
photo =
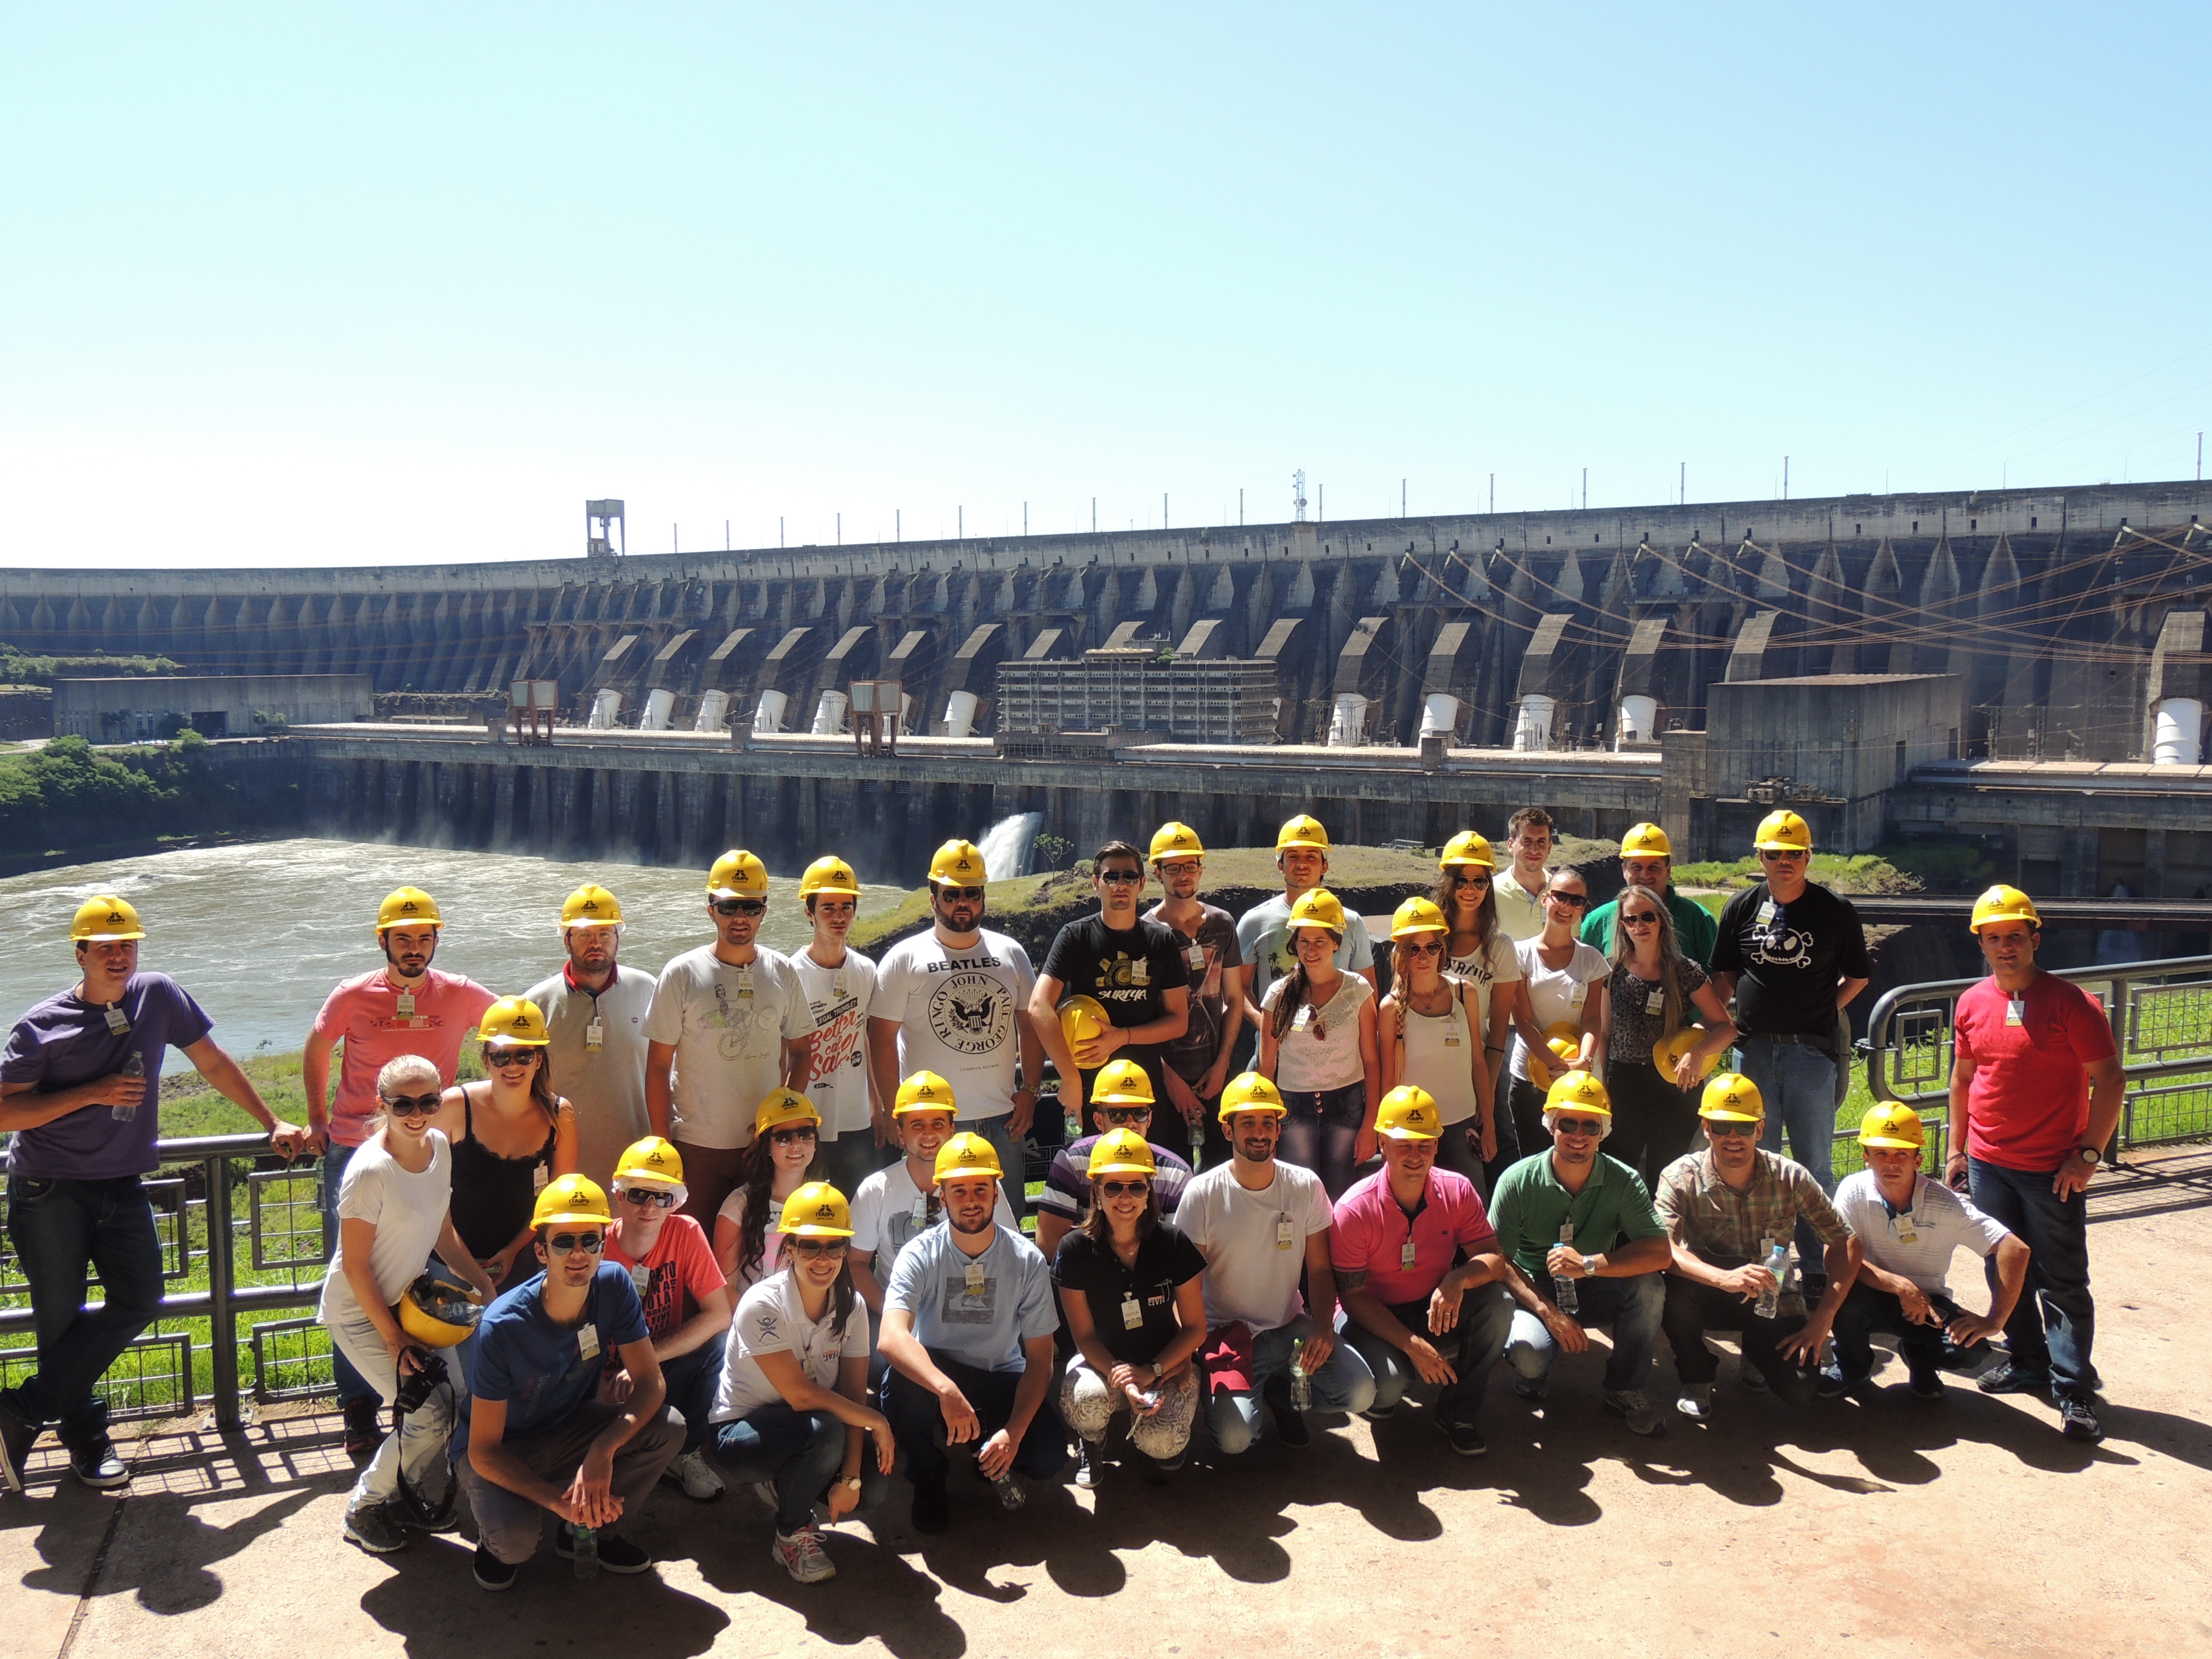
(223, 1317)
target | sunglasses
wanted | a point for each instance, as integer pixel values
(1123, 1117)
(1641, 919)
(949, 894)
(1123, 877)
(791, 1136)
(1578, 1126)
(1729, 1129)
(1434, 947)
(569, 1244)
(1772, 855)
(740, 906)
(410, 1105)
(1572, 901)
(811, 1247)
(1125, 1188)
(1472, 878)
(649, 1198)
(505, 1057)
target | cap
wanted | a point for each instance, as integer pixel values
(514, 1019)
(1251, 1092)
(1121, 1082)
(784, 1106)
(106, 918)
(651, 1160)
(408, 907)
(925, 1091)
(591, 906)
(967, 1154)
(1646, 840)
(830, 875)
(1892, 1124)
(1318, 908)
(1578, 1092)
(1301, 831)
(958, 864)
(1783, 832)
(2003, 903)
(817, 1209)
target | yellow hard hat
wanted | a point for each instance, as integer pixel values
(1121, 1082)
(1121, 1151)
(99, 921)
(737, 874)
(817, 1209)
(1669, 1051)
(651, 1160)
(1408, 1113)
(1539, 1069)
(570, 1198)
(1083, 1019)
(1468, 847)
(1564, 1028)
(514, 1019)
(1783, 832)
(1578, 1092)
(925, 1091)
(591, 906)
(2000, 903)
(408, 907)
(1733, 1096)
(830, 875)
(784, 1106)
(967, 1154)
(1301, 831)
(958, 864)
(1417, 915)
(1248, 1092)
(1176, 841)
(1892, 1124)
(436, 1314)
(1318, 908)
(1646, 840)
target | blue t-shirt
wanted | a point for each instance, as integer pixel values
(978, 1310)
(65, 1041)
(542, 1369)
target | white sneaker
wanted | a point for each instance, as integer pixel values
(1696, 1402)
(802, 1558)
(697, 1477)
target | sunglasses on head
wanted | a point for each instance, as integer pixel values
(509, 1056)
(569, 1244)
(1639, 918)
(1729, 1128)
(798, 1246)
(1125, 1188)
(410, 1105)
(1574, 900)
(791, 1134)
(1578, 1126)
(950, 894)
(740, 906)
(648, 1197)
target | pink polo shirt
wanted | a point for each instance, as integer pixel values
(363, 1013)
(1371, 1232)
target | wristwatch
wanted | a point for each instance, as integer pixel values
(2088, 1154)
(852, 1484)
(1590, 1267)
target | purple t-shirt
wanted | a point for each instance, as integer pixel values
(65, 1041)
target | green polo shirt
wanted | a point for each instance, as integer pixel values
(1696, 931)
(1529, 1205)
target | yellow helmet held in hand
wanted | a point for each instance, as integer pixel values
(1121, 1151)
(1301, 831)
(1668, 1051)
(783, 1106)
(1734, 1098)
(1408, 1113)
(832, 876)
(1894, 1125)
(1783, 832)
(408, 907)
(967, 1154)
(817, 1209)
(925, 1091)
(1646, 840)
(1251, 1092)
(105, 920)
(958, 864)
(436, 1314)
(651, 1160)
(737, 874)
(569, 1198)
(2003, 903)
(591, 906)
(1083, 1019)
(1468, 847)
(1121, 1082)
(514, 1019)
(1417, 915)
(1176, 841)
(1578, 1092)
(1318, 908)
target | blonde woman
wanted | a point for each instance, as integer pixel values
(1648, 998)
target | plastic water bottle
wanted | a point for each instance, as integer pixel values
(133, 1066)
(1011, 1496)
(1563, 1288)
(587, 1540)
(1778, 1263)
(1301, 1383)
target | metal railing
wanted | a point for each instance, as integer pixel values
(2162, 1019)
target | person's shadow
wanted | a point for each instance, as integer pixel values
(155, 1546)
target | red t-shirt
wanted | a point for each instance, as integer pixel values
(681, 1260)
(2027, 1106)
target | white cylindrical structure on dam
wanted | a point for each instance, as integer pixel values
(1532, 734)
(1348, 726)
(606, 709)
(1439, 714)
(1639, 716)
(768, 714)
(830, 714)
(2178, 739)
(659, 706)
(713, 709)
(960, 714)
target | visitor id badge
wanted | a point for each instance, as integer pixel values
(1406, 1256)
(405, 1007)
(539, 1175)
(588, 1341)
(1451, 1039)
(920, 1213)
(640, 1276)
(1908, 1236)
(744, 981)
(837, 989)
(1304, 1017)
(1766, 912)
(1655, 999)
(1287, 1236)
(1132, 1313)
(1576, 994)
(1196, 958)
(975, 1279)
(2016, 1012)
(118, 1025)
(595, 1036)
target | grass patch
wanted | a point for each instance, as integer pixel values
(1856, 873)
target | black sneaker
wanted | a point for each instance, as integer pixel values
(491, 1572)
(2077, 1419)
(1925, 1384)
(16, 1439)
(617, 1554)
(1834, 1384)
(364, 1429)
(376, 1527)
(931, 1514)
(97, 1466)
(1753, 1378)
(1291, 1425)
(1466, 1439)
(1380, 1413)
(2009, 1378)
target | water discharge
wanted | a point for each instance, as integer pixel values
(1006, 845)
(259, 934)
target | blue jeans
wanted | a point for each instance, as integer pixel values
(799, 1452)
(917, 1422)
(60, 1227)
(2051, 1331)
(1631, 1306)
(351, 1385)
(691, 1379)
(1485, 1314)
(1232, 1414)
(1798, 1084)
(1322, 1131)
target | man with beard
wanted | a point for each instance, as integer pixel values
(1132, 968)
(405, 1007)
(595, 1010)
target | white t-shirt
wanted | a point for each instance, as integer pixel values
(772, 1319)
(1556, 993)
(956, 1013)
(890, 1210)
(407, 1211)
(727, 1025)
(734, 1212)
(1915, 1243)
(839, 999)
(1255, 1243)
(1501, 966)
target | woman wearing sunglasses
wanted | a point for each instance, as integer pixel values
(785, 1130)
(1562, 983)
(511, 1135)
(1431, 1039)
(791, 1409)
(1648, 997)
(1317, 1045)
(1129, 1284)
(1480, 952)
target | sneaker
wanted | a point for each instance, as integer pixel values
(364, 1429)
(2009, 1378)
(1635, 1410)
(765, 1491)
(16, 1439)
(1925, 1385)
(1466, 1439)
(1696, 1402)
(931, 1514)
(1531, 1387)
(800, 1555)
(97, 1466)
(1086, 1464)
(1834, 1384)
(2077, 1419)
(1169, 1465)
(491, 1572)
(696, 1476)
(617, 1554)
(1291, 1425)
(1752, 1379)
(1380, 1413)
(374, 1528)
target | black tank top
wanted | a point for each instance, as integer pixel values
(493, 1196)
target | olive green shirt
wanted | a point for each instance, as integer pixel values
(1696, 931)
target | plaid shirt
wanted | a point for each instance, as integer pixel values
(1730, 1229)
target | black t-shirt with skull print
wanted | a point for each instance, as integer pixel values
(1790, 957)
(1126, 970)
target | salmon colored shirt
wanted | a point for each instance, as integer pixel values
(363, 1013)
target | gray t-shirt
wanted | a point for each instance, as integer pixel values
(1263, 934)
(606, 1084)
(978, 1310)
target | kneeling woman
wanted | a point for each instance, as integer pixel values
(1129, 1284)
(791, 1409)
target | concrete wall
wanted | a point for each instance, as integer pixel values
(128, 707)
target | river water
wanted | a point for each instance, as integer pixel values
(259, 934)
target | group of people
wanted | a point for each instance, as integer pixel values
(756, 1220)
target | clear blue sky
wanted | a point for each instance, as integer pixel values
(307, 284)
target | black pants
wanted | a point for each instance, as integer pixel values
(1693, 1309)
(1653, 1120)
(1520, 1131)
(917, 1420)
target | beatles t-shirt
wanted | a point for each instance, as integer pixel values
(955, 1011)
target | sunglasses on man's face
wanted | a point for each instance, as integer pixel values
(1122, 878)
(740, 906)
(569, 1244)
(503, 1058)
(811, 1247)
(1578, 1126)
(948, 895)
(649, 1198)
(410, 1105)
(791, 1136)
(1727, 1128)
(1781, 855)
(1125, 1188)
(1125, 1117)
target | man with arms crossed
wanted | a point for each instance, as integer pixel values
(595, 1010)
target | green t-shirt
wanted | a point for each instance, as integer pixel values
(1529, 1205)
(1696, 931)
